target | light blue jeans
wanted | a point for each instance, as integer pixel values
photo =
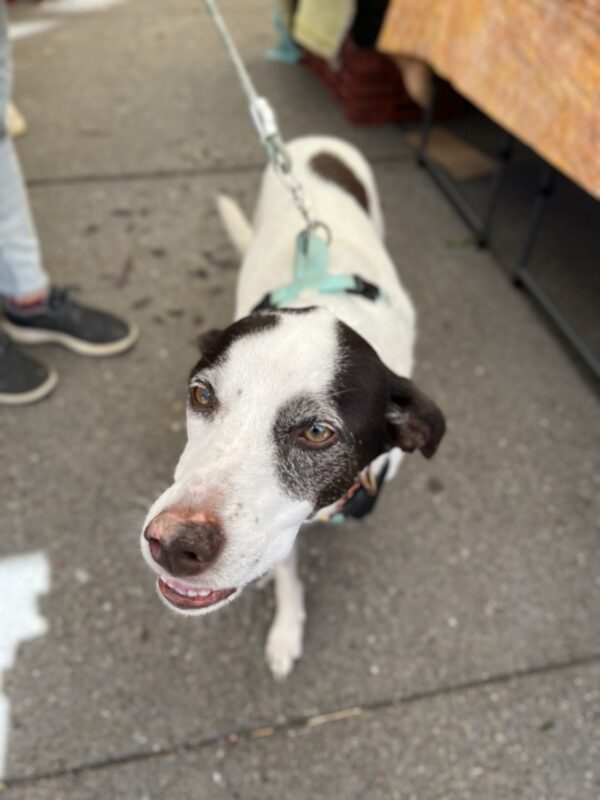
(21, 270)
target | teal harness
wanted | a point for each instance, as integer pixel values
(311, 261)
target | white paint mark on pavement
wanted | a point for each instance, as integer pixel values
(20, 30)
(22, 579)
(79, 6)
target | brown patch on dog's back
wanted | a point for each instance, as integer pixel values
(333, 169)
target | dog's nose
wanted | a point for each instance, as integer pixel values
(183, 547)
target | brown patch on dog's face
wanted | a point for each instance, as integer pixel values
(382, 410)
(376, 410)
(331, 168)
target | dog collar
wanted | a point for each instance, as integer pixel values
(360, 498)
(311, 260)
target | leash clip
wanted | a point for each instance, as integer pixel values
(318, 225)
(265, 122)
(264, 118)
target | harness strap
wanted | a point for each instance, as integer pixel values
(350, 284)
(310, 271)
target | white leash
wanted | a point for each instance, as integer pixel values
(265, 122)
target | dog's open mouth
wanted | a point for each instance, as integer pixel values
(191, 598)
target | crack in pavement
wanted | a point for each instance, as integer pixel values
(304, 721)
(184, 172)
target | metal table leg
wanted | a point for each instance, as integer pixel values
(524, 279)
(480, 226)
(506, 153)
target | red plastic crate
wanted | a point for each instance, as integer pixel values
(369, 89)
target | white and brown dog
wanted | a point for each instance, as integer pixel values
(288, 406)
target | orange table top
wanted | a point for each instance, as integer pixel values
(531, 65)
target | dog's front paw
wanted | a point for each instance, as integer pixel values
(284, 647)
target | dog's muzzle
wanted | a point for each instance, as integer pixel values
(184, 547)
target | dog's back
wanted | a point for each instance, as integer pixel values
(342, 193)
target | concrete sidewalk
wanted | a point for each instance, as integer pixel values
(453, 640)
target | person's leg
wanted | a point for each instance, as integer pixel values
(22, 275)
(34, 312)
(22, 379)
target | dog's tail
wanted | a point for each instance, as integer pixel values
(235, 223)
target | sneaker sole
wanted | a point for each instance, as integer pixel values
(24, 398)
(80, 346)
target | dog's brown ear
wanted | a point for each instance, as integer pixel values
(207, 339)
(414, 422)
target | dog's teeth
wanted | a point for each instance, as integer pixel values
(172, 584)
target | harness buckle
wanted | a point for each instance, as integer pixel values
(364, 288)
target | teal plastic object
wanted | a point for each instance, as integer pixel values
(285, 50)
(336, 519)
(311, 260)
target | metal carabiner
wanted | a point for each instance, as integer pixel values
(319, 225)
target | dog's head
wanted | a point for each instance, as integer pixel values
(284, 409)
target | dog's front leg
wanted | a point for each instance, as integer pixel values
(284, 642)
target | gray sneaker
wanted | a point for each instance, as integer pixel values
(22, 379)
(60, 320)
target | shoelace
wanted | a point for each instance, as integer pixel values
(61, 298)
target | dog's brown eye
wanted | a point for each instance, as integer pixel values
(317, 434)
(202, 396)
